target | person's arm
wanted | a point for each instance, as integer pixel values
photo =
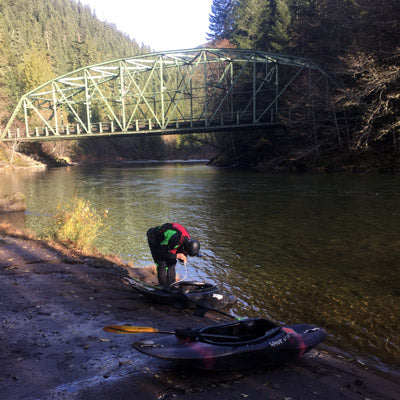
(181, 257)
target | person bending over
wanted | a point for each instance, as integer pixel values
(169, 242)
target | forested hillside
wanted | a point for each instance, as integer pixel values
(356, 41)
(41, 39)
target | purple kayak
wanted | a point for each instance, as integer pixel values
(244, 344)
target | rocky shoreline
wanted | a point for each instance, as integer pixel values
(55, 302)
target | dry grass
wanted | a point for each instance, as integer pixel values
(77, 224)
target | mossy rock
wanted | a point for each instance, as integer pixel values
(12, 202)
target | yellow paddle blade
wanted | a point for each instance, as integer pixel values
(129, 329)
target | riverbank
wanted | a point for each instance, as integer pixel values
(286, 160)
(12, 159)
(55, 302)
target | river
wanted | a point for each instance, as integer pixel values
(313, 248)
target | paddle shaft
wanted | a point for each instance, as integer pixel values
(127, 329)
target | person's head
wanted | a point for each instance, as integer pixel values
(191, 247)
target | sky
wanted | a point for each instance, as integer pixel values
(159, 24)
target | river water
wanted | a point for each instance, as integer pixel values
(312, 248)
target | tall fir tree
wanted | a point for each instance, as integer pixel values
(279, 34)
(251, 24)
(35, 70)
(221, 19)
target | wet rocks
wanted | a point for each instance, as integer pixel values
(12, 202)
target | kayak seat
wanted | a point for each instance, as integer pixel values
(252, 336)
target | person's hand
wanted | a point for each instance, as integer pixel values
(181, 257)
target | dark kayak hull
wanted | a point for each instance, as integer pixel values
(277, 346)
(186, 294)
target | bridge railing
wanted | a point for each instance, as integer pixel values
(143, 126)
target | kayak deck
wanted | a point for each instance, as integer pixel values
(246, 344)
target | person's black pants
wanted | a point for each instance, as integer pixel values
(165, 273)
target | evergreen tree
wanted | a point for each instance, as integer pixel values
(281, 21)
(35, 70)
(251, 24)
(3, 59)
(221, 19)
(323, 29)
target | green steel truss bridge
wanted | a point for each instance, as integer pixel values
(173, 92)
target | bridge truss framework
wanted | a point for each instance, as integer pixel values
(170, 92)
